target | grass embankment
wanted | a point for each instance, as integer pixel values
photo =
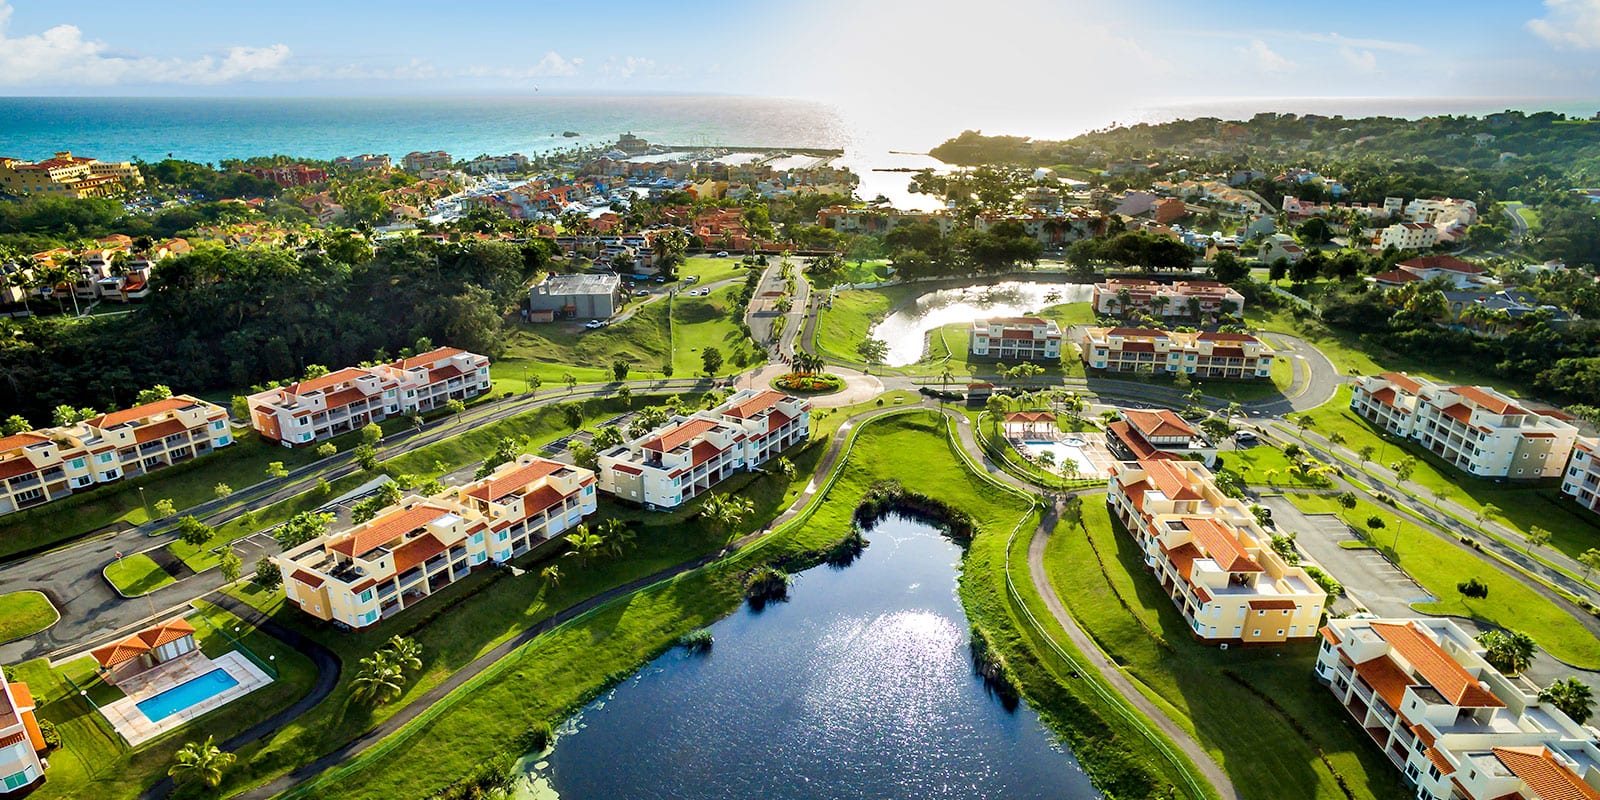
(93, 761)
(554, 675)
(24, 613)
(713, 321)
(710, 269)
(1521, 505)
(1349, 351)
(136, 574)
(1438, 565)
(1294, 749)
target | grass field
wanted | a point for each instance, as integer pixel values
(25, 613)
(1439, 565)
(1295, 750)
(710, 270)
(1349, 352)
(1265, 465)
(136, 574)
(699, 323)
(93, 762)
(1521, 505)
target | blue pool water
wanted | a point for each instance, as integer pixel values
(187, 694)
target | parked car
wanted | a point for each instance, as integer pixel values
(1245, 437)
(642, 293)
(722, 254)
(692, 279)
(594, 323)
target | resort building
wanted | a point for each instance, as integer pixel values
(1150, 435)
(420, 545)
(417, 162)
(1211, 557)
(365, 161)
(66, 175)
(39, 466)
(1176, 299)
(1582, 479)
(1015, 339)
(1454, 726)
(1281, 245)
(575, 296)
(347, 400)
(287, 175)
(144, 650)
(1461, 274)
(1474, 428)
(1408, 236)
(689, 455)
(21, 741)
(1202, 355)
(513, 163)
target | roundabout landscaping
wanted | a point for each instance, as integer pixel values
(25, 613)
(808, 384)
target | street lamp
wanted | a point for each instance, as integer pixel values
(144, 503)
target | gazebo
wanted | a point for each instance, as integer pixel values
(1022, 424)
(145, 649)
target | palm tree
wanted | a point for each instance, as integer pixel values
(617, 534)
(201, 761)
(552, 574)
(1572, 696)
(1590, 559)
(725, 511)
(379, 680)
(585, 545)
(404, 652)
(945, 377)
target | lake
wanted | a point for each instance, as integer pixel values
(861, 685)
(905, 329)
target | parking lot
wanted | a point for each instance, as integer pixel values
(1370, 581)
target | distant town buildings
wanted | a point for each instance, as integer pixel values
(1280, 245)
(287, 175)
(420, 545)
(1211, 557)
(1454, 726)
(365, 161)
(1474, 428)
(1461, 274)
(690, 454)
(846, 219)
(339, 402)
(415, 161)
(1202, 355)
(507, 164)
(1407, 236)
(1014, 339)
(66, 175)
(48, 464)
(1177, 299)
(575, 296)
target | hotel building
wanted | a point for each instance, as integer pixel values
(1211, 557)
(688, 455)
(1202, 355)
(1582, 479)
(347, 400)
(1142, 435)
(1474, 428)
(1015, 339)
(66, 175)
(21, 741)
(420, 545)
(1176, 299)
(1454, 726)
(39, 466)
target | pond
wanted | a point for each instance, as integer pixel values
(905, 330)
(861, 685)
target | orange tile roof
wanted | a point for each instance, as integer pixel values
(343, 397)
(1222, 544)
(1158, 423)
(1182, 558)
(1169, 480)
(428, 358)
(1386, 678)
(386, 529)
(160, 430)
(755, 405)
(15, 738)
(1458, 412)
(1439, 760)
(21, 694)
(138, 412)
(326, 381)
(540, 499)
(1330, 634)
(313, 581)
(12, 467)
(142, 642)
(417, 551)
(166, 632)
(1030, 416)
(1271, 604)
(1488, 402)
(495, 488)
(680, 435)
(1548, 778)
(1403, 381)
(1436, 666)
(1423, 734)
(21, 440)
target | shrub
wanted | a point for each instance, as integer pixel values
(766, 584)
(803, 383)
(846, 550)
(536, 738)
(1473, 587)
(52, 737)
(888, 496)
(698, 640)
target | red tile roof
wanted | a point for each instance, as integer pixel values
(326, 381)
(1548, 778)
(703, 452)
(428, 358)
(417, 551)
(313, 581)
(1222, 544)
(1447, 263)
(1436, 666)
(1386, 678)
(680, 435)
(755, 405)
(160, 430)
(1272, 604)
(386, 529)
(1396, 276)
(1459, 413)
(493, 489)
(1403, 381)
(1169, 480)
(15, 738)
(1163, 423)
(1030, 416)
(138, 412)
(1486, 401)
(20, 440)
(1226, 337)
(142, 642)
(343, 397)
(1183, 557)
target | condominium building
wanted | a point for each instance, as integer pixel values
(688, 455)
(39, 466)
(1176, 299)
(1408, 236)
(420, 545)
(515, 162)
(415, 161)
(1014, 339)
(1202, 355)
(66, 175)
(1582, 479)
(1454, 726)
(1474, 428)
(1161, 434)
(347, 400)
(21, 742)
(365, 161)
(287, 175)
(1211, 557)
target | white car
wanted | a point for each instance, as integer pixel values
(594, 323)
(722, 254)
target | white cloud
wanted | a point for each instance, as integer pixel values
(1382, 45)
(1569, 23)
(1359, 60)
(1265, 57)
(552, 65)
(629, 67)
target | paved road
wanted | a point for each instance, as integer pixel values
(1371, 582)
(1519, 226)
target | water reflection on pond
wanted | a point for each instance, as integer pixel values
(905, 330)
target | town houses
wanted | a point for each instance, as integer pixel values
(1190, 299)
(1474, 428)
(1201, 355)
(287, 175)
(43, 465)
(416, 547)
(1211, 556)
(1458, 273)
(1014, 339)
(348, 399)
(415, 161)
(1407, 236)
(1454, 726)
(689, 454)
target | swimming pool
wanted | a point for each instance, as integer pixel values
(1065, 451)
(187, 694)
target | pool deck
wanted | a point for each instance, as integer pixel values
(125, 716)
(1094, 461)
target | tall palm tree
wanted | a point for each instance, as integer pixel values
(585, 545)
(725, 511)
(404, 652)
(379, 680)
(201, 761)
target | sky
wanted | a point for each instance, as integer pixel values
(913, 56)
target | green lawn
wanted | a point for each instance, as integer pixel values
(710, 270)
(1522, 505)
(849, 321)
(702, 322)
(1265, 465)
(1219, 695)
(1348, 351)
(24, 613)
(93, 762)
(1439, 565)
(571, 663)
(137, 574)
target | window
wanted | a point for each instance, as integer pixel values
(18, 780)
(1280, 631)
(219, 425)
(366, 596)
(105, 458)
(1261, 612)
(79, 463)
(1433, 771)
(1256, 632)
(477, 538)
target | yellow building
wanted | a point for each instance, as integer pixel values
(66, 175)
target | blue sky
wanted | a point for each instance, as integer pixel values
(849, 51)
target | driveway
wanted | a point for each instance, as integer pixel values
(1370, 581)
